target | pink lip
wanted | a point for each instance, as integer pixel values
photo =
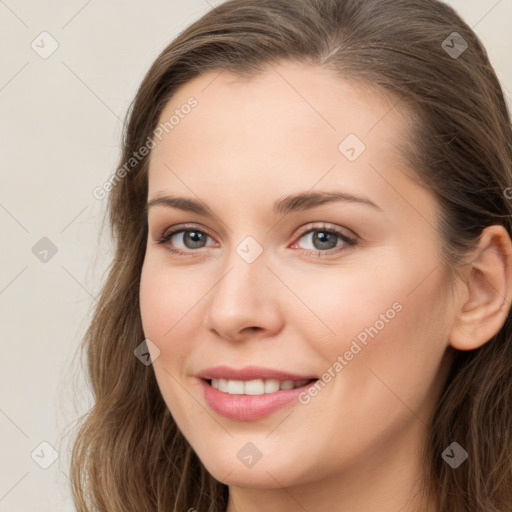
(249, 407)
(249, 373)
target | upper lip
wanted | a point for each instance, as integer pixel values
(249, 373)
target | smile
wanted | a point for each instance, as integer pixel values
(256, 386)
(253, 399)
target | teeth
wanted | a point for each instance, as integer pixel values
(287, 384)
(222, 385)
(235, 387)
(255, 387)
(271, 385)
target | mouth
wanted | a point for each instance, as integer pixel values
(257, 387)
(251, 392)
(251, 400)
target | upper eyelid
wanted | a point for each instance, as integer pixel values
(186, 227)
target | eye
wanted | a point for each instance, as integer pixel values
(322, 240)
(183, 241)
(187, 239)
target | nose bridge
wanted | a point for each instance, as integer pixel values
(245, 271)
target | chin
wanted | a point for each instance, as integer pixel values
(269, 472)
(254, 478)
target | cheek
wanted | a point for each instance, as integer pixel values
(169, 320)
(168, 297)
(338, 304)
(385, 331)
(393, 352)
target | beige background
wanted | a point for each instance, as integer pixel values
(61, 120)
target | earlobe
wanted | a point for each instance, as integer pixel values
(488, 291)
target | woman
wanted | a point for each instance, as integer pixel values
(313, 251)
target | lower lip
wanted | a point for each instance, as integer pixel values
(249, 407)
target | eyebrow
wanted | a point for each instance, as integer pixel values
(283, 206)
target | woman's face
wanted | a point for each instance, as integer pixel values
(343, 284)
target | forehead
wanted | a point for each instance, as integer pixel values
(305, 96)
(289, 128)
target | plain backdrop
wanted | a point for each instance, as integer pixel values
(61, 123)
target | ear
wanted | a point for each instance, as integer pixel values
(487, 291)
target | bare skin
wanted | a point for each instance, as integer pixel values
(355, 445)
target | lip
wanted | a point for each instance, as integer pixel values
(250, 373)
(249, 407)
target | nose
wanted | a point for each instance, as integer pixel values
(244, 301)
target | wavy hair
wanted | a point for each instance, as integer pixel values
(128, 454)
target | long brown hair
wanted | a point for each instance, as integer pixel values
(129, 453)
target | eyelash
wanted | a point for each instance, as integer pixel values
(350, 242)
